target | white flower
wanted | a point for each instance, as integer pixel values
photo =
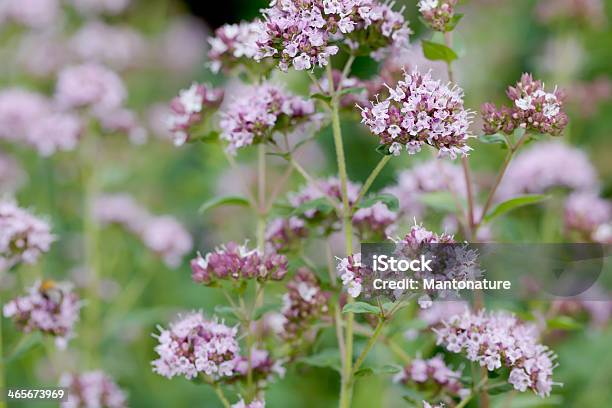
(427, 5)
(524, 103)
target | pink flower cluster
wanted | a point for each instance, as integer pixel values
(432, 371)
(284, 234)
(496, 339)
(94, 7)
(193, 345)
(119, 47)
(303, 304)
(253, 404)
(91, 389)
(426, 177)
(36, 14)
(586, 211)
(351, 272)
(164, 235)
(188, 107)
(305, 34)
(259, 112)
(234, 45)
(235, 262)
(330, 187)
(263, 367)
(438, 13)
(533, 109)
(50, 307)
(89, 85)
(420, 110)
(419, 236)
(23, 237)
(591, 12)
(12, 174)
(547, 165)
(375, 222)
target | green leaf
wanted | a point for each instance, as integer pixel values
(384, 150)
(495, 138)
(389, 200)
(225, 310)
(438, 52)
(351, 90)
(322, 97)
(439, 200)
(326, 358)
(413, 396)
(360, 307)
(499, 388)
(25, 344)
(207, 137)
(513, 204)
(320, 204)
(563, 323)
(219, 201)
(386, 369)
(450, 26)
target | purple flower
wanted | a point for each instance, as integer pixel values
(42, 54)
(165, 236)
(305, 34)
(193, 345)
(263, 367)
(352, 273)
(91, 389)
(119, 47)
(588, 11)
(122, 121)
(585, 212)
(55, 132)
(420, 111)
(23, 237)
(375, 222)
(330, 187)
(50, 307)
(261, 111)
(19, 109)
(284, 234)
(303, 305)
(236, 262)
(547, 165)
(234, 45)
(89, 85)
(426, 177)
(188, 107)
(253, 404)
(433, 372)
(94, 7)
(533, 109)
(12, 174)
(37, 14)
(182, 46)
(496, 339)
(438, 13)
(120, 209)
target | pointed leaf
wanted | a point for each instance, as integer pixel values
(513, 204)
(438, 52)
(226, 200)
(360, 307)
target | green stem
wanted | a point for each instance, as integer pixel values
(346, 388)
(368, 347)
(314, 183)
(381, 165)
(221, 396)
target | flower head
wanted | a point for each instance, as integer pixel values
(120, 209)
(189, 106)
(546, 165)
(194, 345)
(585, 212)
(234, 45)
(23, 237)
(165, 236)
(352, 273)
(36, 14)
(418, 111)
(434, 372)
(236, 262)
(496, 339)
(89, 85)
(375, 222)
(92, 389)
(533, 109)
(19, 109)
(305, 34)
(284, 234)
(50, 307)
(261, 111)
(438, 13)
(55, 132)
(303, 304)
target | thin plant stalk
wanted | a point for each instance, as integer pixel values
(379, 167)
